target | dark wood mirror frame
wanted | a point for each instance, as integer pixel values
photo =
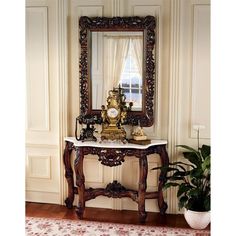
(147, 26)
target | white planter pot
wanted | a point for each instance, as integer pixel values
(197, 220)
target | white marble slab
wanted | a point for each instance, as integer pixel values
(113, 144)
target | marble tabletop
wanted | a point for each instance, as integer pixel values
(113, 144)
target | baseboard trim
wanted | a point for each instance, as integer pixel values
(42, 197)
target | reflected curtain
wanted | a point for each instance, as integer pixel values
(136, 50)
(115, 53)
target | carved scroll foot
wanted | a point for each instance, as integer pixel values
(162, 179)
(69, 203)
(163, 208)
(142, 216)
(80, 211)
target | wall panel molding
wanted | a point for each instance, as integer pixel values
(41, 145)
(117, 175)
(173, 95)
(63, 88)
(39, 167)
(42, 80)
(42, 108)
(152, 175)
(37, 69)
(194, 72)
(42, 197)
(42, 169)
(200, 105)
(116, 8)
(93, 170)
(90, 11)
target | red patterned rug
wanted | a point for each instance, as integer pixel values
(59, 227)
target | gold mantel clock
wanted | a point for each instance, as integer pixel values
(114, 116)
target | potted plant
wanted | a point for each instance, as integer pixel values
(192, 178)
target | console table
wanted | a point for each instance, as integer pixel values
(113, 154)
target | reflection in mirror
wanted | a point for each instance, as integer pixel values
(117, 59)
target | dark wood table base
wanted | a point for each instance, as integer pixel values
(113, 157)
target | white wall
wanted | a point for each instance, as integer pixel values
(182, 92)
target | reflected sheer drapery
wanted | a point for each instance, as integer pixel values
(137, 49)
(116, 50)
(115, 54)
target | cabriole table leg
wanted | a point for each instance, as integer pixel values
(78, 165)
(162, 179)
(143, 168)
(69, 174)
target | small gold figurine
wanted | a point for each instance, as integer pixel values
(138, 133)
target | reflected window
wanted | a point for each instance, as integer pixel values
(131, 81)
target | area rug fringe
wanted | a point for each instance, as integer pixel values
(63, 227)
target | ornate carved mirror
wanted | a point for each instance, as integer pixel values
(116, 52)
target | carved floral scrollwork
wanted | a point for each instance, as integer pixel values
(115, 189)
(111, 157)
(108, 156)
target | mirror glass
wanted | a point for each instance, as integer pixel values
(117, 59)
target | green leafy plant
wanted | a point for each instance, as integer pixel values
(192, 178)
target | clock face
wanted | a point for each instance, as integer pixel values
(112, 112)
